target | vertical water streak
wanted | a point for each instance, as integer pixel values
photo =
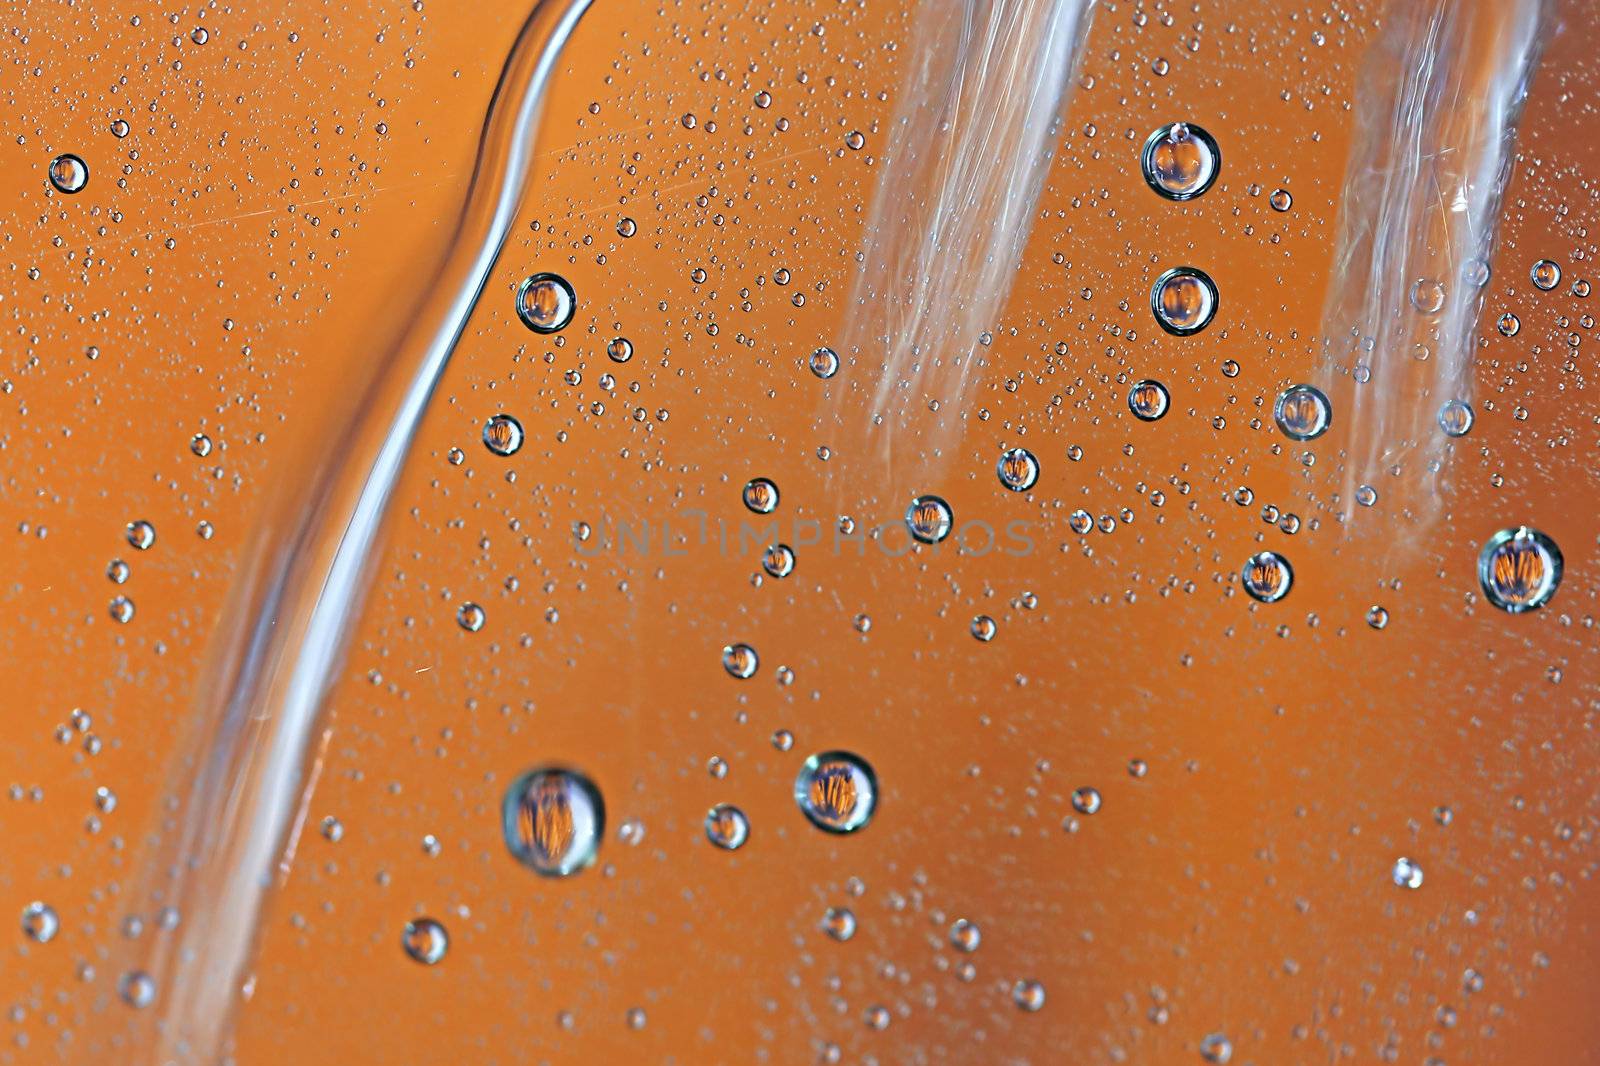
(1439, 97)
(301, 585)
(967, 156)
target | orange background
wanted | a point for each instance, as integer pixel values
(242, 247)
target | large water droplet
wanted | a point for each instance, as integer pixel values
(68, 173)
(1180, 161)
(1184, 300)
(554, 820)
(1267, 576)
(727, 827)
(1303, 412)
(824, 363)
(1456, 418)
(546, 303)
(837, 791)
(1148, 400)
(502, 434)
(1519, 569)
(740, 660)
(1546, 275)
(1018, 469)
(929, 519)
(761, 495)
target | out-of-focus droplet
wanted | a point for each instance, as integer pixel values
(1546, 275)
(39, 922)
(1427, 295)
(1216, 1048)
(1028, 995)
(761, 495)
(727, 827)
(1303, 412)
(984, 628)
(837, 791)
(839, 923)
(965, 935)
(1086, 800)
(137, 989)
(1406, 874)
(121, 609)
(740, 660)
(1018, 469)
(546, 303)
(425, 940)
(502, 435)
(1184, 300)
(141, 534)
(554, 820)
(1267, 576)
(824, 363)
(929, 519)
(1180, 161)
(68, 173)
(1456, 418)
(1519, 569)
(470, 617)
(1377, 617)
(1148, 400)
(200, 444)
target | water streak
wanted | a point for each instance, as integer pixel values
(303, 579)
(1440, 94)
(971, 144)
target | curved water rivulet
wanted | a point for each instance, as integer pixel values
(281, 638)
(1440, 94)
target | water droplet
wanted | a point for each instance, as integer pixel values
(984, 628)
(1519, 569)
(839, 923)
(1377, 617)
(1427, 295)
(1180, 161)
(502, 435)
(1148, 400)
(1028, 995)
(39, 922)
(68, 173)
(119, 128)
(1216, 1048)
(1086, 800)
(546, 303)
(200, 444)
(929, 519)
(1406, 873)
(554, 820)
(1018, 470)
(1366, 495)
(425, 940)
(1303, 412)
(470, 617)
(627, 227)
(1267, 577)
(763, 99)
(837, 791)
(855, 140)
(332, 829)
(1456, 418)
(1280, 200)
(778, 560)
(727, 827)
(1509, 325)
(824, 363)
(740, 660)
(1184, 300)
(137, 989)
(141, 534)
(619, 349)
(761, 495)
(121, 609)
(965, 936)
(1546, 275)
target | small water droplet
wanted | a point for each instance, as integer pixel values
(137, 989)
(824, 363)
(727, 827)
(425, 940)
(1018, 470)
(929, 519)
(740, 660)
(778, 560)
(141, 534)
(1028, 995)
(39, 922)
(1267, 576)
(839, 923)
(1406, 873)
(470, 617)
